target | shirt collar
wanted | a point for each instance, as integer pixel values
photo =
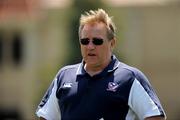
(113, 65)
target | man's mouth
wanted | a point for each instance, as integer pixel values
(91, 54)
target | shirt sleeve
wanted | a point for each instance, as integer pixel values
(142, 103)
(49, 108)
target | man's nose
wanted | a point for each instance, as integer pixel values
(91, 45)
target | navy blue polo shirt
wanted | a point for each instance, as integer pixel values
(119, 92)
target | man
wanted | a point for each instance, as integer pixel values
(100, 87)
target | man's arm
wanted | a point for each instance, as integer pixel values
(49, 107)
(155, 118)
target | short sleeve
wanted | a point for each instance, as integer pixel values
(142, 103)
(49, 108)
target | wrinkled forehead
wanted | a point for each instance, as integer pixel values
(94, 30)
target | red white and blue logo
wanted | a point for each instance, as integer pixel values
(112, 86)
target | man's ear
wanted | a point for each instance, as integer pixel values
(113, 43)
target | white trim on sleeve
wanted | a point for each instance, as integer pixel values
(50, 110)
(141, 103)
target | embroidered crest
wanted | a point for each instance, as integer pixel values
(112, 86)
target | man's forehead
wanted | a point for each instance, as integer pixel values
(97, 25)
(93, 29)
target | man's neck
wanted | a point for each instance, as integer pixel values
(93, 70)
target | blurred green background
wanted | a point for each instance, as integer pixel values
(38, 37)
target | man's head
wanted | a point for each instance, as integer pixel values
(97, 38)
(98, 16)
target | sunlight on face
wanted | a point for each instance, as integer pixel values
(96, 55)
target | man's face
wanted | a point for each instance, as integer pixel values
(96, 55)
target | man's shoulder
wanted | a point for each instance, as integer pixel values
(69, 68)
(127, 68)
(132, 71)
(68, 71)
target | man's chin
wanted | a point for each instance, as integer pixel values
(92, 64)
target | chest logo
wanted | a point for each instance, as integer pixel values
(112, 86)
(67, 85)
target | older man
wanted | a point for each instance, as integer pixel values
(100, 87)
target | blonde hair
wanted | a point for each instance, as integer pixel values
(98, 16)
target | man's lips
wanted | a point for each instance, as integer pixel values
(91, 54)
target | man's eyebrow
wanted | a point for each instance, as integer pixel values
(92, 38)
(97, 38)
(84, 38)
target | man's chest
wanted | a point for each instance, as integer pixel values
(93, 93)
